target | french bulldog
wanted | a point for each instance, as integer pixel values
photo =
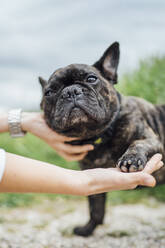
(81, 101)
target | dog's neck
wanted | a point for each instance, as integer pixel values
(103, 137)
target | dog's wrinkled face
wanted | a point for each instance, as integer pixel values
(80, 100)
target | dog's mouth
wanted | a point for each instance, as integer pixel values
(73, 120)
(77, 115)
(76, 118)
(78, 112)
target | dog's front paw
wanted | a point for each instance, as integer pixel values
(132, 162)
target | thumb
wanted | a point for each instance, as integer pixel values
(153, 164)
(147, 180)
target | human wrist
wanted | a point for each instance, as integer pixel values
(99, 181)
(89, 184)
(86, 184)
(28, 120)
(77, 182)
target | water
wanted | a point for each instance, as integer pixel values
(39, 36)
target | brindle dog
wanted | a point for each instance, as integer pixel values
(81, 101)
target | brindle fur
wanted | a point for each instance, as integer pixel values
(138, 126)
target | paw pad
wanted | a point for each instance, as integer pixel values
(131, 163)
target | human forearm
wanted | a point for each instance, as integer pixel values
(26, 175)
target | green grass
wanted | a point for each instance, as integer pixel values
(32, 147)
(148, 82)
(139, 195)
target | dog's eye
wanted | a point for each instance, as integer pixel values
(49, 92)
(91, 79)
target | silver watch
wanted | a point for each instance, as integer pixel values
(14, 122)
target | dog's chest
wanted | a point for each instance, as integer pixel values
(103, 156)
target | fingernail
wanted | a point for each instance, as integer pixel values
(90, 148)
(161, 164)
(159, 156)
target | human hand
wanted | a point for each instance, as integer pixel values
(104, 180)
(35, 124)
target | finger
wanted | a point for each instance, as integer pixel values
(72, 157)
(62, 138)
(157, 167)
(74, 149)
(147, 180)
(160, 165)
(132, 180)
(153, 164)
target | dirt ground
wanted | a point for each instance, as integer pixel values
(50, 225)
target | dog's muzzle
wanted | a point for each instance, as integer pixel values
(71, 93)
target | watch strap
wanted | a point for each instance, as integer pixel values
(14, 122)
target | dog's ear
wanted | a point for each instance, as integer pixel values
(43, 82)
(108, 63)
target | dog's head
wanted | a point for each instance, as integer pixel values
(80, 100)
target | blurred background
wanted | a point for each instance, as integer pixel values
(37, 37)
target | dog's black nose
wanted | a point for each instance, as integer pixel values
(72, 92)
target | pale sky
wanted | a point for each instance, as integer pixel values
(39, 36)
